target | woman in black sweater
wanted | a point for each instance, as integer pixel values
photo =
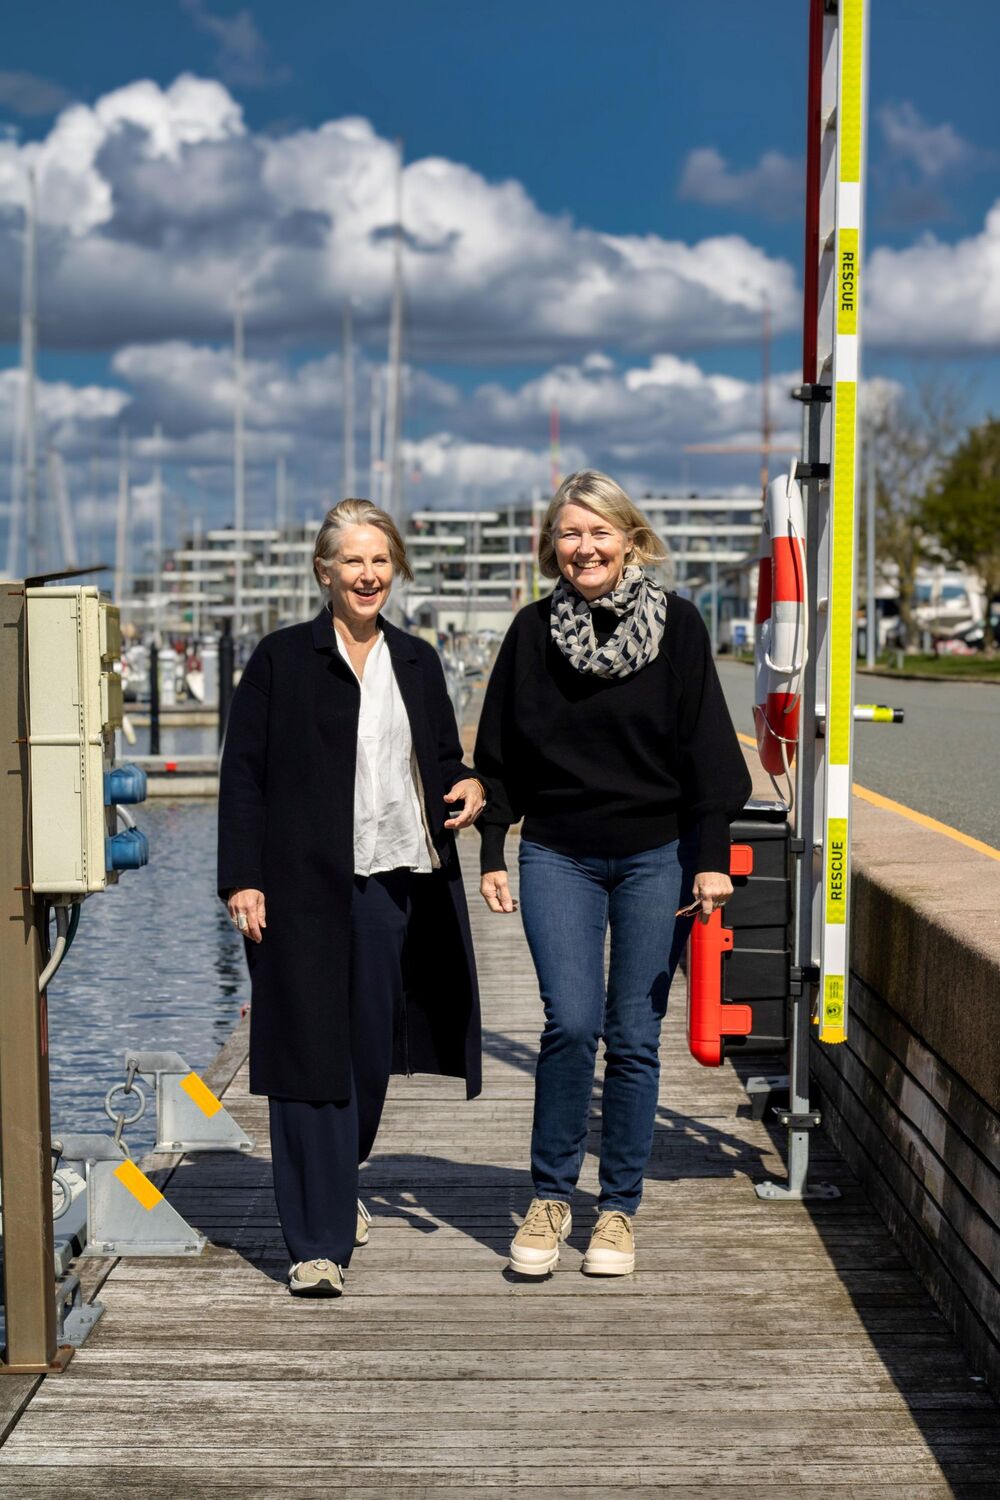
(604, 727)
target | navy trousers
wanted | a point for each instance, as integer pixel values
(317, 1146)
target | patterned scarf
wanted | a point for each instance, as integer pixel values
(641, 607)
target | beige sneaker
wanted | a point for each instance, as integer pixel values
(364, 1220)
(315, 1278)
(534, 1249)
(611, 1251)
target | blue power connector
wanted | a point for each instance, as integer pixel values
(124, 784)
(127, 850)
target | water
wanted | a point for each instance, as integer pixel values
(156, 964)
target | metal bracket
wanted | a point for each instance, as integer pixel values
(126, 1213)
(75, 1319)
(189, 1118)
(777, 1192)
(809, 393)
(760, 1089)
(810, 1120)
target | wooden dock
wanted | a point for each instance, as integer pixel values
(780, 1351)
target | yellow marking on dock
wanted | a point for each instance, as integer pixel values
(138, 1184)
(199, 1093)
(925, 821)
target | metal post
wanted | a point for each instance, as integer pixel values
(154, 698)
(226, 667)
(25, 1141)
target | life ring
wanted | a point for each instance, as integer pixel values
(780, 626)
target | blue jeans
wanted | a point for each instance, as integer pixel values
(567, 904)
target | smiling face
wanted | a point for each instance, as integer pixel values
(359, 577)
(589, 550)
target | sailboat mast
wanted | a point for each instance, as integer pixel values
(348, 378)
(239, 495)
(29, 355)
(394, 405)
(157, 531)
(121, 520)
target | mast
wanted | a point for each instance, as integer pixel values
(765, 417)
(121, 519)
(394, 403)
(59, 498)
(375, 463)
(279, 493)
(29, 354)
(348, 379)
(157, 531)
(239, 496)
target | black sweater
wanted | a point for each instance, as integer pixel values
(611, 766)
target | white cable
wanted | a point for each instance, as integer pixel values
(59, 951)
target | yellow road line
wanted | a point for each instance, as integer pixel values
(877, 800)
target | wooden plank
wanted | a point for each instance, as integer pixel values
(781, 1351)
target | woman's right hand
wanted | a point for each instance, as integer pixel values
(495, 891)
(248, 904)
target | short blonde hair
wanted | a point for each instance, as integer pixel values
(599, 493)
(358, 513)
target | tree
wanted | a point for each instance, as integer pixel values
(912, 434)
(962, 509)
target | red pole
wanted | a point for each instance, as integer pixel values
(810, 274)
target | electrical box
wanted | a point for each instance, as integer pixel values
(74, 707)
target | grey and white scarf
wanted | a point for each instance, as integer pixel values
(641, 607)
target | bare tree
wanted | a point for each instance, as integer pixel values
(914, 434)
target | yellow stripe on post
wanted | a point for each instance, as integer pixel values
(831, 1021)
(199, 1093)
(838, 709)
(852, 20)
(138, 1184)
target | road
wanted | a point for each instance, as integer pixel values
(943, 761)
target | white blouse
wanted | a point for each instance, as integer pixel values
(388, 823)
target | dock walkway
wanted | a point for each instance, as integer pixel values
(781, 1351)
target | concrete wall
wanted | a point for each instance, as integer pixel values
(912, 1099)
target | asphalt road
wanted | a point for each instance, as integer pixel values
(943, 761)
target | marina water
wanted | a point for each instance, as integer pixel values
(156, 964)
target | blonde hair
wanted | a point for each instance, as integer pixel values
(599, 493)
(358, 513)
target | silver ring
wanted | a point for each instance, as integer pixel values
(241, 921)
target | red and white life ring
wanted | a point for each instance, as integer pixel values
(780, 621)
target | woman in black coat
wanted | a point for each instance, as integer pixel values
(337, 860)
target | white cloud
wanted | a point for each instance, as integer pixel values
(244, 57)
(932, 149)
(773, 188)
(156, 203)
(28, 94)
(937, 296)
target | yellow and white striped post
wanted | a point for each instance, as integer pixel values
(842, 569)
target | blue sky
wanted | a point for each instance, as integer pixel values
(645, 123)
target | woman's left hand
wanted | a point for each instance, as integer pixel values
(471, 793)
(712, 889)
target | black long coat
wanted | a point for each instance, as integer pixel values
(286, 827)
